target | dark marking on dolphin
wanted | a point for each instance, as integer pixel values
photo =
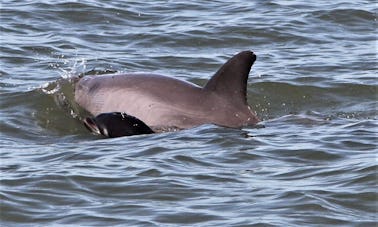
(164, 102)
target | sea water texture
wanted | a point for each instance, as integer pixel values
(312, 161)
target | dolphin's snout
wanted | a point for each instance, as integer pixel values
(91, 125)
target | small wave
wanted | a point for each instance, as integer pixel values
(346, 17)
(274, 99)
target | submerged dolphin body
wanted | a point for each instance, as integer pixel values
(161, 102)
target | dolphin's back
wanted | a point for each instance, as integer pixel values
(159, 101)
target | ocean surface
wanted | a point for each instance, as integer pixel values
(311, 161)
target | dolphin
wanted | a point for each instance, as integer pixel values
(146, 103)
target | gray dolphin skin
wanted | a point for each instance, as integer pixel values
(162, 102)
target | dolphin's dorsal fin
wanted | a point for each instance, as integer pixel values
(231, 79)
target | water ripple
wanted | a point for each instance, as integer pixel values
(311, 161)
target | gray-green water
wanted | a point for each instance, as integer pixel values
(314, 85)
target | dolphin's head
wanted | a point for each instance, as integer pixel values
(116, 124)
